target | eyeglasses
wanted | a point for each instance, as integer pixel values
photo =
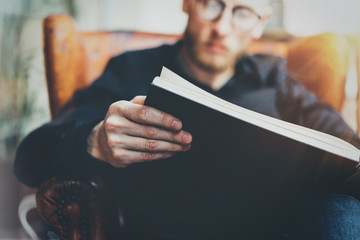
(244, 18)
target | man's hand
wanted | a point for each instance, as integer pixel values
(132, 132)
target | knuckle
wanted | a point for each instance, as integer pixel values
(121, 123)
(143, 112)
(148, 156)
(173, 147)
(150, 144)
(119, 107)
(112, 123)
(109, 123)
(120, 156)
(165, 119)
(113, 141)
(112, 107)
(150, 131)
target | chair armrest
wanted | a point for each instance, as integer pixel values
(77, 209)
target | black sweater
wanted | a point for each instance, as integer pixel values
(260, 83)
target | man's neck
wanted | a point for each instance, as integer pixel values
(213, 79)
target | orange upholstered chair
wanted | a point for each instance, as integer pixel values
(74, 59)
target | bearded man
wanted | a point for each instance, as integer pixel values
(107, 131)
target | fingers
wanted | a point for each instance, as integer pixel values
(141, 150)
(132, 133)
(147, 145)
(152, 132)
(124, 158)
(116, 125)
(146, 115)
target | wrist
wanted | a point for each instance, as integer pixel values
(92, 142)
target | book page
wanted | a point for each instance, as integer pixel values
(174, 83)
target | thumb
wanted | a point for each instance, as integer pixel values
(138, 100)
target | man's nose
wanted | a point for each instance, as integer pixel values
(223, 26)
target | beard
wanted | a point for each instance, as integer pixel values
(209, 62)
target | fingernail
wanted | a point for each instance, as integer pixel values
(186, 147)
(176, 124)
(187, 138)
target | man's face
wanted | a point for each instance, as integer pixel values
(217, 45)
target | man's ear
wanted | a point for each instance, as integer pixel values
(186, 6)
(259, 29)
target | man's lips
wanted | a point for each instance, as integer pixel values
(216, 47)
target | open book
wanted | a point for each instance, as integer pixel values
(245, 135)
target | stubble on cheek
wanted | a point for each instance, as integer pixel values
(207, 59)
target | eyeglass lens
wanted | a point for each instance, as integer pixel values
(244, 18)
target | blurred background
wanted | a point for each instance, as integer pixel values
(24, 104)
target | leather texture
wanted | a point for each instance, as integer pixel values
(78, 208)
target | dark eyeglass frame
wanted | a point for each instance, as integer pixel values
(223, 6)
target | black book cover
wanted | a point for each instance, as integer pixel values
(237, 177)
(246, 152)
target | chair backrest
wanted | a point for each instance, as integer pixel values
(74, 59)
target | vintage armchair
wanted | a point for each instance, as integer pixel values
(79, 208)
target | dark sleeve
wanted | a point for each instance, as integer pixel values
(59, 147)
(299, 106)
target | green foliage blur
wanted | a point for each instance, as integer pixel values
(17, 60)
